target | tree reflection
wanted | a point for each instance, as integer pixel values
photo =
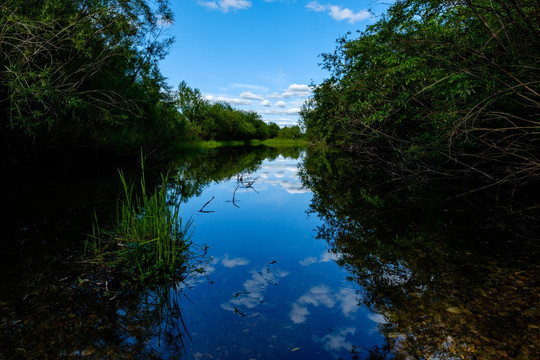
(453, 276)
(47, 308)
(73, 324)
(192, 172)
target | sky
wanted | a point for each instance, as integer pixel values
(260, 55)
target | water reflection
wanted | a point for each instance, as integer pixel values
(268, 289)
(321, 295)
(419, 278)
(447, 279)
(272, 291)
(73, 324)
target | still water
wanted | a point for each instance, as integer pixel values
(309, 256)
(271, 289)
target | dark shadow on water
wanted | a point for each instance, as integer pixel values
(451, 275)
(48, 309)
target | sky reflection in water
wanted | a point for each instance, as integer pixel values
(271, 289)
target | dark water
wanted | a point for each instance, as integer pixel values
(310, 256)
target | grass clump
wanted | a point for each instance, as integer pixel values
(149, 244)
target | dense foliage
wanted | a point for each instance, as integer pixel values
(220, 121)
(438, 88)
(84, 74)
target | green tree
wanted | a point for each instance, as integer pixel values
(218, 121)
(290, 132)
(438, 88)
(273, 130)
(78, 72)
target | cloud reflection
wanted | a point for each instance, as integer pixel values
(231, 263)
(254, 288)
(282, 173)
(322, 295)
(378, 318)
(338, 341)
(324, 258)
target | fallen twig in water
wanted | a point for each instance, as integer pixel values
(208, 202)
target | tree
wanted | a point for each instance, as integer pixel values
(76, 71)
(273, 130)
(438, 88)
(289, 132)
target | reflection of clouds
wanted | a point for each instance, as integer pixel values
(348, 301)
(378, 318)
(323, 295)
(324, 258)
(338, 341)
(231, 263)
(254, 288)
(318, 295)
(309, 261)
(282, 173)
(328, 256)
(279, 174)
(292, 187)
(298, 313)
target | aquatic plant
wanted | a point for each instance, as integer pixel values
(150, 241)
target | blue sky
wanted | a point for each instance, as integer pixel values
(259, 55)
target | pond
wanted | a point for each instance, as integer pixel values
(304, 259)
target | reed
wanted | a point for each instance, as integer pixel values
(151, 242)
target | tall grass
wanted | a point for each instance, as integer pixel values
(152, 241)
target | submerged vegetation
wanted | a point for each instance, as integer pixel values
(149, 243)
(445, 273)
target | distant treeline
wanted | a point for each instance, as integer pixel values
(83, 74)
(438, 89)
(220, 121)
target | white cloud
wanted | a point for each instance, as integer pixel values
(281, 104)
(294, 90)
(293, 111)
(297, 102)
(250, 87)
(281, 121)
(266, 103)
(250, 95)
(339, 13)
(229, 100)
(209, 4)
(274, 95)
(315, 6)
(299, 88)
(226, 5)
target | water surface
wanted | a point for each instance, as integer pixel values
(309, 256)
(271, 289)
